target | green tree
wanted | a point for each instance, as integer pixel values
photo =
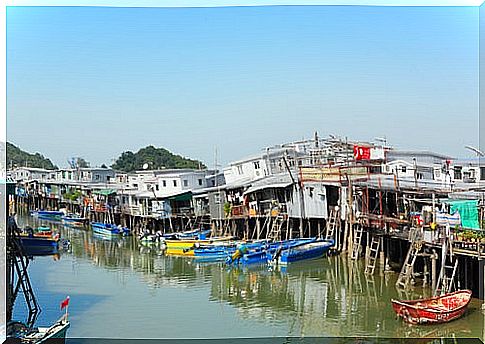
(18, 157)
(156, 158)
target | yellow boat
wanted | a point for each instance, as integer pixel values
(185, 247)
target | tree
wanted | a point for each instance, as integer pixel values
(18, 157)
(156, 158)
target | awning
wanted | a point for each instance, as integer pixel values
(267, 186)
(105, 192)
(187, 196)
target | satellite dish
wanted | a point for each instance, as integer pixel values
(145, 166)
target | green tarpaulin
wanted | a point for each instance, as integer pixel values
(468, 213)
(187, 196)
(105, 192)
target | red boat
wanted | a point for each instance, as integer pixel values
(436, 310)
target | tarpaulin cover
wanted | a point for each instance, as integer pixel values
(468, 213)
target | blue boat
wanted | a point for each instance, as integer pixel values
(39, 246)
(109, 229)
(223, 251)
(74, 220)
(311, 250)
(259, 255)
(52, 215)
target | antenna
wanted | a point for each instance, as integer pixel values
(475, 150)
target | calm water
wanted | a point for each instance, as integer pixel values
(119, 289)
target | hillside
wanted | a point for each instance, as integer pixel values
(18, 157)
(156, 158)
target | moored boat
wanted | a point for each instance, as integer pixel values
(53, 215)
(37, 335)
(186, 247)
(304, 251)
(74, 220)
(435, 310)
(39, 241)
(109, 229)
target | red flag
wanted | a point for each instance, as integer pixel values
(361, 153)
(65, 303)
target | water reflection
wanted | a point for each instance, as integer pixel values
(326, 297)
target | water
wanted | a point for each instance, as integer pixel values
(119, 289)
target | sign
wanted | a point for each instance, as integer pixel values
(368, 153)
(333, 174)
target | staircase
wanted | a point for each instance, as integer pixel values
(358, 231)
(406, 273)
(373, 255)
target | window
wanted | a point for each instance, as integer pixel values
(164, 183)
(175, 183)
(457, 171)
(256, 165)
(200, 182)
(239, 169)
(403, 169)
(157, 187)
(217, 199)
(186, 182)
(482, 173)
(96, 176)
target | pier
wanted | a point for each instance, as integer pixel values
(394, 210)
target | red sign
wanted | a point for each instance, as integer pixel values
(361, 153)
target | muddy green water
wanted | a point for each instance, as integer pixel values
(120, 289)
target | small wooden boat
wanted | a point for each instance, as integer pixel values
(435, 310)
(38, 245)
(249, 255)
(186, 247)
(108, 229)
(197, 234)
(52, 215)
(74, 220)
(38, 335)
(295, 253)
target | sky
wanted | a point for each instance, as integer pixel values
(97, 81)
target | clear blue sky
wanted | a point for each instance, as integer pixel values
(94, 81)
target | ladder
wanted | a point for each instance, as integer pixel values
(275, 231)
(358, 231)
(333, 224)
(406, 273)
(449, 266)
(373, 255)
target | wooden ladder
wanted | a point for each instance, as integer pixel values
(358, 231)
(407, 269)
(275, 232)
(333, 224)
(449, 266)
(373, 255)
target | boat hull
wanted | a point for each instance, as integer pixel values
(187, 247)
(39, 246)
(304, 252)
(436, 310)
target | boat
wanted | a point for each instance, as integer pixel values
(53, 215)
(74, 220)
(109, 229)
(221, 251)
(303, 251)
(249, 255)
(38, 335)
(435, 310)
(39, 241)
(198, 234)
(186, 247)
